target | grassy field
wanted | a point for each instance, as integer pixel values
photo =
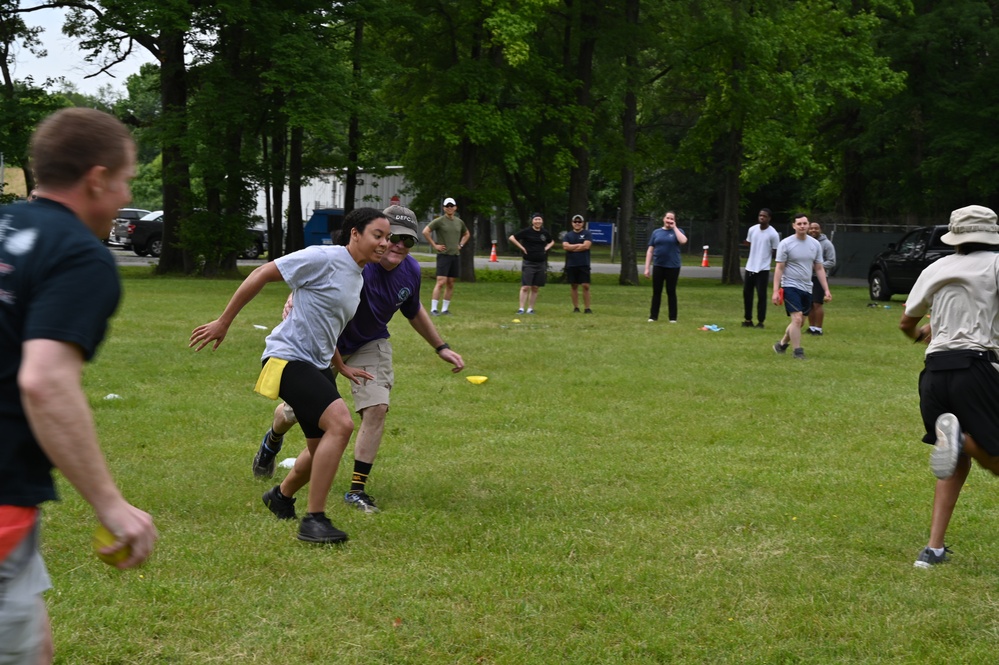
(616, 492)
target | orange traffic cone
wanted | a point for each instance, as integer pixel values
(492, 255)
(704, 259)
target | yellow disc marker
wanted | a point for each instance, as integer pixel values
(477, 379)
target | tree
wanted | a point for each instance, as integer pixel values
(761, 76)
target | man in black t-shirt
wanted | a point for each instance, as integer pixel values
(534, 242)
(576, 244)
(58, 288)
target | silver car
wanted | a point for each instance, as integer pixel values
(119, 234)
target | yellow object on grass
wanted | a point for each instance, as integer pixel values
(477, 379)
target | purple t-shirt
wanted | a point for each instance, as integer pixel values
(384, 293)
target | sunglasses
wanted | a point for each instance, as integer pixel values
(450, 205)
(408, 241)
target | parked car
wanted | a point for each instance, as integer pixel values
(895, 269)
(120, 231)
(145, 237)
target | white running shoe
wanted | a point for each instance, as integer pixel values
(947, 449)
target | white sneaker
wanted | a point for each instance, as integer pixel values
(947, 449)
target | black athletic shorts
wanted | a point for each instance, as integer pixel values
(533, 273)
(970, 390)
(577, 274)
(309, 391)
(449, 265)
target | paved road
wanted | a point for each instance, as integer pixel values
(128, 258)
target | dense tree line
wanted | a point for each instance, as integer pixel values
(872, 110)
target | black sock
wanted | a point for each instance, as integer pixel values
(274, 441)
(315, 515)
(360, 475)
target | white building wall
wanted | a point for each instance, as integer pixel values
(326, 191)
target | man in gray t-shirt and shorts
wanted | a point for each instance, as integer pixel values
(797, 257)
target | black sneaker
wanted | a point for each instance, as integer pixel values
(282, 507)
(446, 312)
(747, 324)
(575, 310)
(318, 529)
(927, 559)
(361, 501)
(760, 325)
(587, 311)
(263, 461)
(799, 354)
(780, 348)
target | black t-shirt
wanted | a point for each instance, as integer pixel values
(57, 281)
(534, 242)
(577, 259)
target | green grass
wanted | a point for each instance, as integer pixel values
(617, 492)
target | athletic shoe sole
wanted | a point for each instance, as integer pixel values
(947, 449)
(364, 506)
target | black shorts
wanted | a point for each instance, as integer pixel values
(577, 274)
(533, 273)
(818, 293)
(309, 391)
(970, 393)
(449, 265)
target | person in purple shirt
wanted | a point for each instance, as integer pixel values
(364, 356)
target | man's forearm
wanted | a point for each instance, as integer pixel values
(61, 421)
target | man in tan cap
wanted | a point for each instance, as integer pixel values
(959, 387)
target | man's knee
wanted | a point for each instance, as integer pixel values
(337, 418)
(375, 414)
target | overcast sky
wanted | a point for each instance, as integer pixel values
(66, 60)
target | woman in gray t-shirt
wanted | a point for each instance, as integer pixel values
(326, 284)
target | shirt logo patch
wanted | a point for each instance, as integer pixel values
(21, 242)
(403, 295)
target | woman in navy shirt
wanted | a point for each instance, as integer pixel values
(663, 257)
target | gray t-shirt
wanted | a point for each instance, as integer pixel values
(326, 286)
(799, 258)
(963, 291)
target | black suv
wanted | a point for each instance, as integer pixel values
(895, 269)
(145, 237)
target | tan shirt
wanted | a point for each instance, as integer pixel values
(961, 293)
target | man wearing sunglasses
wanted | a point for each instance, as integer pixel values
(452, 234)
(364, 356)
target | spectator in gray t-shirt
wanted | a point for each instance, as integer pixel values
(797, 257)
(818, 315)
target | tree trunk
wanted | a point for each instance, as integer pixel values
(469, 170)
(354, 129)
(176, 169)
(579, 176)
(731, 170)
(276, 185)
(629, 131)
(296, 230)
